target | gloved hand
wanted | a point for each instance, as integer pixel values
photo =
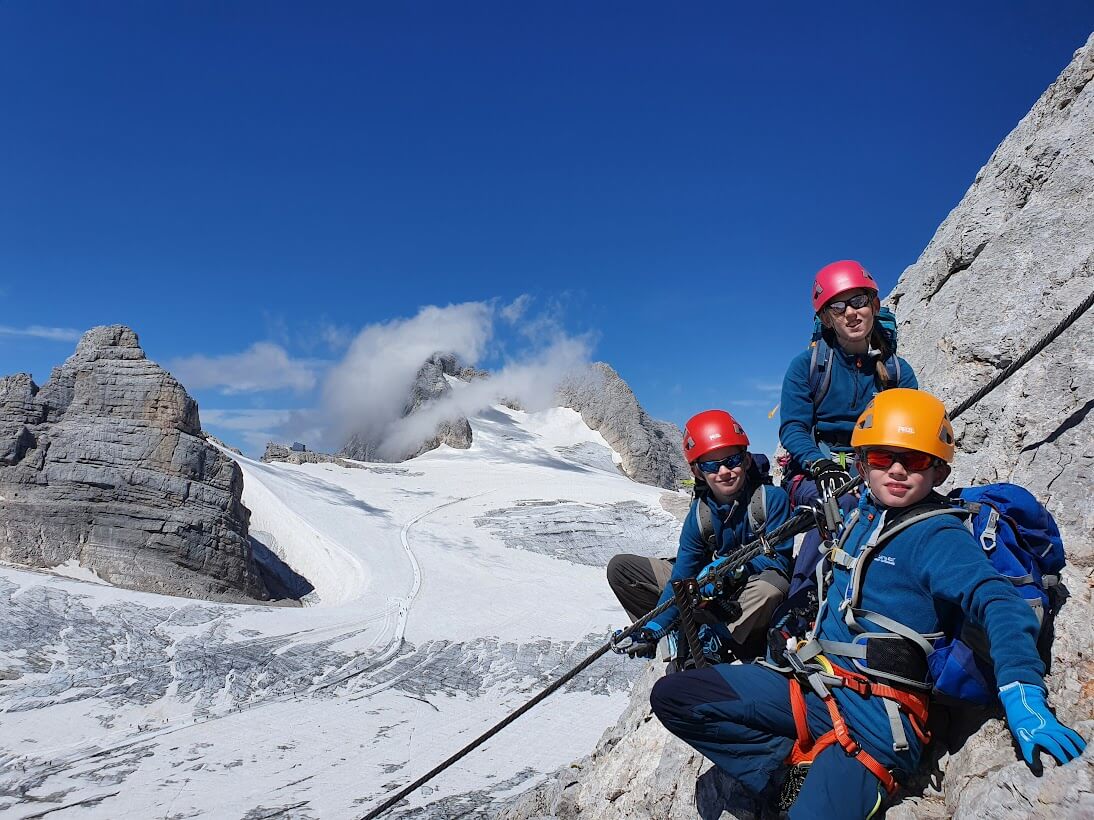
(1033, 725)
(706, 583)
(644, 642)
(828, 475)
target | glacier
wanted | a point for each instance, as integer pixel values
(446, 591)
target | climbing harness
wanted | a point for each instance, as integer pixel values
(822, 676)
(803, 520)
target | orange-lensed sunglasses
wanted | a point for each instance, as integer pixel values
(913, 461)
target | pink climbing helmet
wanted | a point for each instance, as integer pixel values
(840, 277)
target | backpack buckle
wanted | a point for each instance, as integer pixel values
(988, 536)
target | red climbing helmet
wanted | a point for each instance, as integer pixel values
(840, 277)
(709, 431)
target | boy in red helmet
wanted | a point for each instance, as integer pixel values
(732, 506)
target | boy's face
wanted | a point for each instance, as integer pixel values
(725, 482)
(900, 484)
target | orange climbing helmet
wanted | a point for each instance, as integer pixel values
(902, 417)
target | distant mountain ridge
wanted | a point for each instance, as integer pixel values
(649, 448)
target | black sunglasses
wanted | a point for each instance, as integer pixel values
(857, 302)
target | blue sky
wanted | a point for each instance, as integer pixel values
(658, 182)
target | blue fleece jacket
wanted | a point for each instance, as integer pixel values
(931, 574)
(854, 383)
(732, 531)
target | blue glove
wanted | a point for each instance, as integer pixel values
(1033, 725)
(644, 641)
(707, 589)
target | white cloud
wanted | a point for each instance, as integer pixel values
(367, 390)
(336, 337)
(532, 382)
(263, 366)
(513, 311)
(366, 393)
(55, 334)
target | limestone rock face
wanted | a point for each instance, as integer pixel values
(650, 448)
(429, 385)
(1009, 262)
(1013, 258)
(106, 464)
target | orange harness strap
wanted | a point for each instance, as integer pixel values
(806, 748)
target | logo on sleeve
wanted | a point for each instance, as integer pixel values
(886, 559)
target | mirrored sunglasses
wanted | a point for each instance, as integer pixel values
(729, 462)
(914, 461)
(858, 302)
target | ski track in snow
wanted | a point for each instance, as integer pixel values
(444, 598)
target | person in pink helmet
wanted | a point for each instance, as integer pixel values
(733, 504)
(852, 358)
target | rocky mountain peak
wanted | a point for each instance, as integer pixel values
(650, 449)
(105, 464)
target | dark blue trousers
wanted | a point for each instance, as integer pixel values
(740, 718)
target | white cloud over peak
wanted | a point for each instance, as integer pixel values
(367, 390)
(263, 366)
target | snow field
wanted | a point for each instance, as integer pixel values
(425, 628)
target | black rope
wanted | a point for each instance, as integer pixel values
(794, 525)
(1067, 322)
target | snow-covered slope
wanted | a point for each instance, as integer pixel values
(447, 590)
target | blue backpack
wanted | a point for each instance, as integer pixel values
(820, 362)
(1021, 539)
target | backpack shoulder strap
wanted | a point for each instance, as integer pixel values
(705, 519)
(892, 367)
(820, 370)
(757, 510)
(887, 528)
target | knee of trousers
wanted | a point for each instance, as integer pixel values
(616, 570)
(675, 697)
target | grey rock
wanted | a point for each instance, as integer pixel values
(429, 385)
(279, 452)
(106, 464)
(1012, 259)
(1009, 262)
(650, 449)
